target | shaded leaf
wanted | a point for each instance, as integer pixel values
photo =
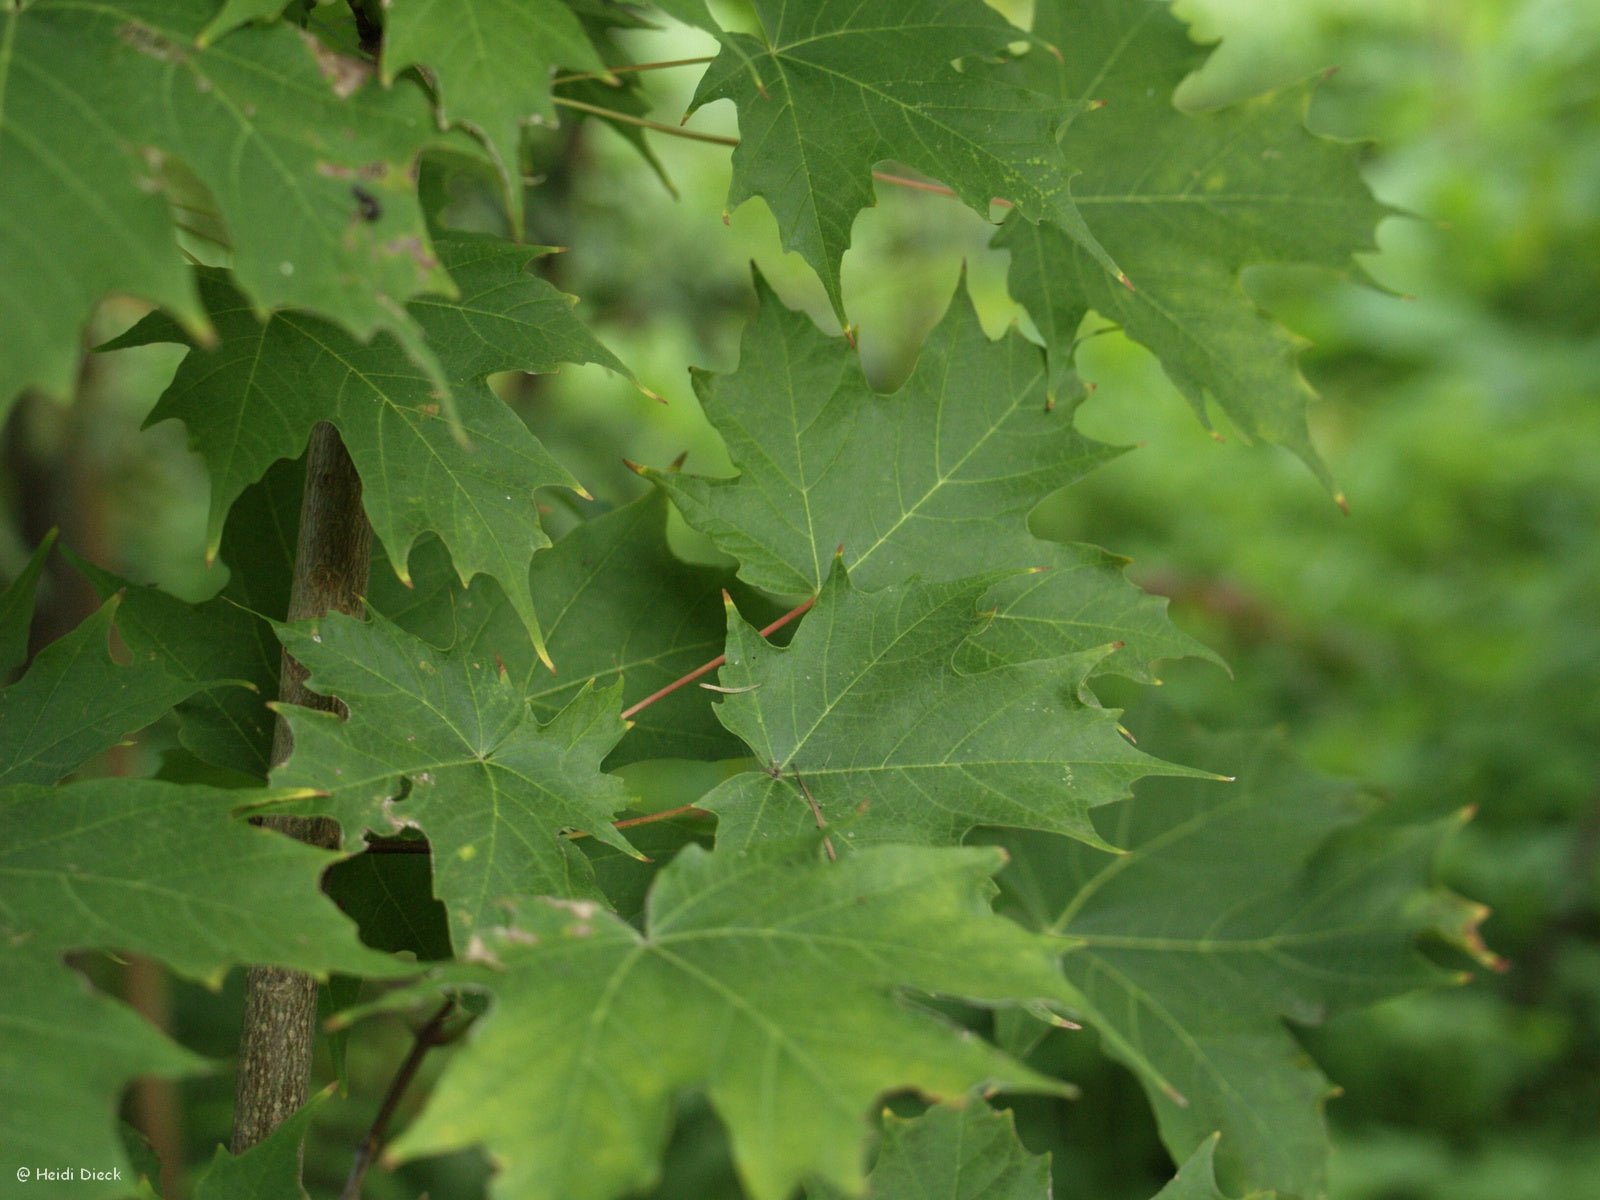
(936, 479)
(1236, 906)
(492, 61)
(866, 714)
(830, 88)
(390, 897)
(1197, 1178)
(76, 701)
(269, 1170)
(255, 398)
(16, 608)
(66, 1054)
(444, 742)
(617, 604)
(970, 1153)
(1184, 201)
(767, 982)
(227, 727)
(690, 12)
(143, 867)
(235, 13)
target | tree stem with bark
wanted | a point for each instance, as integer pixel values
(332, 557)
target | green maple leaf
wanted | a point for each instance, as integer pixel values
(832, 87)
(143, 867)
(444, 741)
(255, 398)
(1232, 911)
(66, 1054)
(98, 101)
(617, 604)
(235, 13)
(269, 1168)
(962, 1154)
(166, 870)
(493, 62)
(690, 12)
(231, 635)
(1185, 201)
(228, 727)
(936, 479)
(76, 701)
(16, 608)
(1197, 1177)
(1077, 598)
(866, 715)
(765, 981)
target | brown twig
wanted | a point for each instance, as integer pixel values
(926, 185)
(693, 135)
(683, 810)
(706, 668)
(629, 68)
(425, 1039)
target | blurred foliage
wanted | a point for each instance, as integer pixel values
(1442, 641)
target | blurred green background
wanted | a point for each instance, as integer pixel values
(1442, 641)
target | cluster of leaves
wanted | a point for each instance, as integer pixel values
(933, 717)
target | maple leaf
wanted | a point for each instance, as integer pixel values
(16, 608)
(616, 603)
(76, 700)
(107, 862)
(145, 867)
(97, 102)
(66, 1054)
(690, 12)
(866, 716)
(830, 88)
(970, 1153)
(445, 742)
(269, 1168)
(227, 727)
(1230, 912)
(416, 475)
(1075, 599)
(936, 479)
(596, 1026)
(492, 60)
(1197, 1177)
(1184, 201)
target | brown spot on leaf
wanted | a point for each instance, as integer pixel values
(149, 42)
(412, 247)
(345, 75)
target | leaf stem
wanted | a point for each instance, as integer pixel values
(648, 819)
(424, 1040)
(926, 185)
(718, 139)
(693, 135)
(706, 668)
(629, 68)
